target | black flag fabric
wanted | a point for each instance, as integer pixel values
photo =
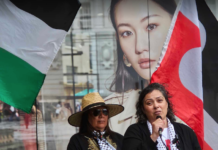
(210, 74)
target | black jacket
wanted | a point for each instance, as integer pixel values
(81, 142)
(137, 137)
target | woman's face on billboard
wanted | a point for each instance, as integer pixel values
(133, 25)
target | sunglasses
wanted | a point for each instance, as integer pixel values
(97, 112)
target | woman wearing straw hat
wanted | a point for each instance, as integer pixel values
(94, 132)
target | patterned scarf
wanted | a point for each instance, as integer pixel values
(102, 142)
(160, 145)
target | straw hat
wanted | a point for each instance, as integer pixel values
(90, 101)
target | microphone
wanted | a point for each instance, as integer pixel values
(160, 129)
(160, 133)
(176, 141)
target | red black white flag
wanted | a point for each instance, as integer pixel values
(180, 67)
(209, 73)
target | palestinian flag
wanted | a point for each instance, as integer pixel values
(31, 34)
(180, 67)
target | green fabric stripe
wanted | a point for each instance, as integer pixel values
(19, 82)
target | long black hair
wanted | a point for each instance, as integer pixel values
(123, 73)
(139, 105)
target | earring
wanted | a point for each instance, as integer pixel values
(126, 62)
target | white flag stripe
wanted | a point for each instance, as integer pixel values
(190, 72)
(203, 35)
(28, 37)
(210, 131)
(190, 13)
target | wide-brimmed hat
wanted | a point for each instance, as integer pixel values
(90, 101)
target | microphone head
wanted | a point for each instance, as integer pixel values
(158, 117)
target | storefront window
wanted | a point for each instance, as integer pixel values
(86, 62)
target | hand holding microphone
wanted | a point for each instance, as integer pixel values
(157, 128)
(160, 132)
(160, 129)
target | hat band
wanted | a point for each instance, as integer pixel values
(92, 105)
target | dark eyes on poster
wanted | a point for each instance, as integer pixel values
(114, 49)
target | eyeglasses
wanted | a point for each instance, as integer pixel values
(97, 112)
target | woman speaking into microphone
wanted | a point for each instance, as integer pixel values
(156, 128)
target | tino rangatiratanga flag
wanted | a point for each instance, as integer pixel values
(191, 39)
